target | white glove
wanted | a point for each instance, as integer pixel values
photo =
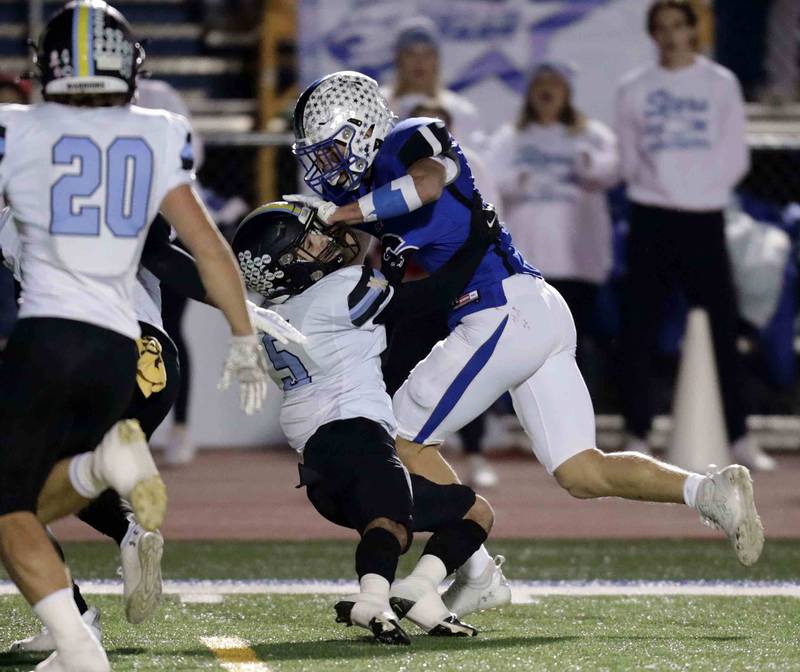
(247, 363)
(269, 322)
(324, 209)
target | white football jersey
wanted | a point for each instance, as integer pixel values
(83, 185)
(336, 373)
(146, 292)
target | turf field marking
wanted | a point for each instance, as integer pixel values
(523, 591)
(201, 598)
(234, 654)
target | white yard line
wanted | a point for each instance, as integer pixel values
(523, 591)
(234, 654)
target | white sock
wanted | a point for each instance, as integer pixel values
(60, 615)
(374, 584)
(690, 487)
(431, 569)
(477, 563)
(82, 478)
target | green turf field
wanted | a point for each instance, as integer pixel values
(297, 632)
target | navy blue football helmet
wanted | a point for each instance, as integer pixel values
(88, 48)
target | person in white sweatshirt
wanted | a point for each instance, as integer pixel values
(681, 128)
(418, 77)
(552, 168)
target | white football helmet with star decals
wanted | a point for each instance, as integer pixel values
(340, 122)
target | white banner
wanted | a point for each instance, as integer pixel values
(487, 46)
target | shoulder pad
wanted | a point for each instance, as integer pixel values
(428, 138)
(367, 297)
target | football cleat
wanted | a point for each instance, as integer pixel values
(141, 553)
(43, 640)
(373, 613)
(415, 599)
(488, 591)
(123, 462)
(725, 502)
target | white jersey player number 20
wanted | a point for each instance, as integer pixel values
(101, 198)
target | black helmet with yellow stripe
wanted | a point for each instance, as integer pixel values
(87, 48)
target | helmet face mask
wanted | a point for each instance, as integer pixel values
(332, 160)
(340, 123)
(282, 251)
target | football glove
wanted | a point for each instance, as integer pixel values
(324, 209)
(270, 323)
(246, 362)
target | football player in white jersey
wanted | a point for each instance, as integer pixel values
(409, 184)
(84, 174)
(158, 376)
(337, 415)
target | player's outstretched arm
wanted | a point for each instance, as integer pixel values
(220, 274)
(174, 267)
(423, 184)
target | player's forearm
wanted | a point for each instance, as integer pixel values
(438, 292)
(175, 269)
(423, 184)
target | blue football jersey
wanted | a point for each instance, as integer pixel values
(437, 230)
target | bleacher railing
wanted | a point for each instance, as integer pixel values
(231, 166)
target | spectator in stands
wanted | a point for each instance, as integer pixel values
(180, 449)
(418, 77)
(12, 90)
(553, 167)
(681, 127)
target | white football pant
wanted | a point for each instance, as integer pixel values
(526, 347)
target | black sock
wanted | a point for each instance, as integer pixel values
(455, 542)
(108, 515)
(56, 545)
(378, 553)
(76, 594)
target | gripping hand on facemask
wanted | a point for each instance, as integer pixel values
(269, 322)
(324, 209)
(248, 365)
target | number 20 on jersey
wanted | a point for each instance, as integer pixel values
(128, 171)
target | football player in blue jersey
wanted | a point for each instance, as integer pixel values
(409, 185)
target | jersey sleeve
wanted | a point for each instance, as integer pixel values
(428, 140)
(368, 298)
(8, 113)
(9, 243)
(180, 163)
